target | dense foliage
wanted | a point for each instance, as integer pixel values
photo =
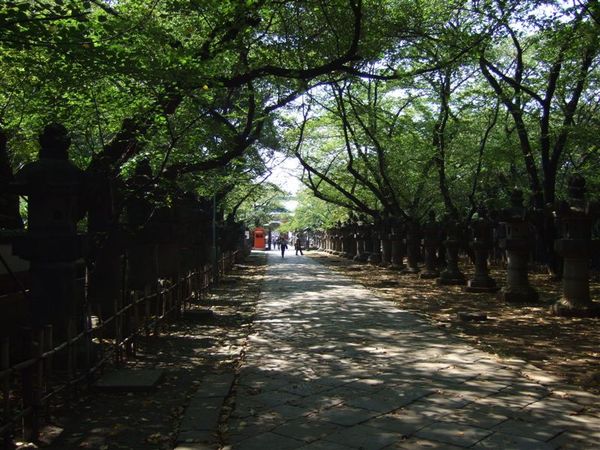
(396, 106)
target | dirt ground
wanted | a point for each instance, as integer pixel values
(187, 351)
(565, 347)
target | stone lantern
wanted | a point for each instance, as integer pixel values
(348, 244)
(142, 259)
(54, 187)
(516, 244)
(481, 243)
(360, 241)
(413, 247)
(452, 275)
(386, 241)
(576, 218)
(375, 256)
(397, 257)
(431, 243)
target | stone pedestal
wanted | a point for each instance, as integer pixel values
(575, 300)
(431, 270)
(361, 255)
(413, 250)
(576, 247)
(349, 244)
(517, 289)
(397, 258)
(481, 281)
(375, 256)
(386, 252)
(451, 275)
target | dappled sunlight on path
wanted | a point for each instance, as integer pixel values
(331, 366)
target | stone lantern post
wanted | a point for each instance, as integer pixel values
(142, 258)
(431, 243)
(397, 257)
(367, 233)
(360, 241)
(348, 243)
(413, 247)
(452, 275)
(516, 244)
(54, 189)
(481, 243)
(375, 256)
(386, 241)
(576, 218)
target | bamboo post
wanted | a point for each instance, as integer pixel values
(30, 425)
(88, 339)
(48, 341)
(118, 332)
(129, 325)
(136, 320)
(6, 410)
(71, 362)
(48, 345)
(147, 310)
(158, 305)
(39, 381)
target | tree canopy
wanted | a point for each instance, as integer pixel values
(395, 106)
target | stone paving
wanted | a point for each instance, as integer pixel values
(330, 366)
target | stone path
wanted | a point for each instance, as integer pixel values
(330, 366)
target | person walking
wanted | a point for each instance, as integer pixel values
(298, 246)
(283, 247)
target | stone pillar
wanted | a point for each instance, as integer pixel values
(481, 243)
(452, 275)
(431, 243)
(359, 240)
(375, 256)
(53, 186)
(413, 247)
(386, 242)
(367, 231)
(397, 256)
(337, 244)
(516, 244)
(142, 257)
(576, 218)
(348, 241)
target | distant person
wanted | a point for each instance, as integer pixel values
(283, 247)
(298, 247)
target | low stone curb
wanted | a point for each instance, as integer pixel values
(200, 421)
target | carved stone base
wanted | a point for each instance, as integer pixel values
(485, 285)
(363, 257)
(524, 294)
(374, 259)
(429, 274)
(452, 276)
(567, 309)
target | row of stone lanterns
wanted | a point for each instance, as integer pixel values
(389, 243)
